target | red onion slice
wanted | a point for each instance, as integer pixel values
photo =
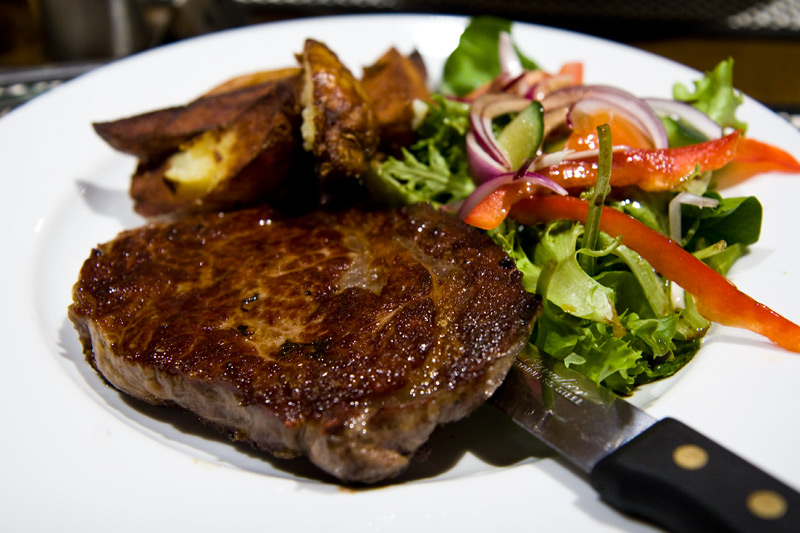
(568, 96)
(554, 119)
(534, 180)
(551, 158)
(522, 84)
(509, 84)
(509, 60)
(482, 166)
(554, 158)
(590, 105)
(484, 110)
(675, 229)
(689, 114)
(547, 85)
(677, 294)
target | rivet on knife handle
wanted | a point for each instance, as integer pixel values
(680, 479)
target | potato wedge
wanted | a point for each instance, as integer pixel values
(227, 167)
(339, 126)
(392, 84)
(255, 78)
(152, 135)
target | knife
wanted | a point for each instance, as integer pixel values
(659, 470)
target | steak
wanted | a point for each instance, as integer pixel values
(345, 336)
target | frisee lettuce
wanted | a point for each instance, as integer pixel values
(434, 169)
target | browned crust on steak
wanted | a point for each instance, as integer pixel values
(343, 336)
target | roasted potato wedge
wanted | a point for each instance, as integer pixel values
(227, 167)
(339, 126)
(392, 84)
(255, 78)
(151, 136)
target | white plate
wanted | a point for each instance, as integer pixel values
(77, 454)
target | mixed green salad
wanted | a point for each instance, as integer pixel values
(502, 137)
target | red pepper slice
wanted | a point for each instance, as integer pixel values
(649, 169)
(755, 157)
(573, 69)
(717, 299)
(753, 151)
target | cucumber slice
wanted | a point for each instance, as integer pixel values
(520, 139)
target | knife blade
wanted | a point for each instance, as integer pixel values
(659, 470)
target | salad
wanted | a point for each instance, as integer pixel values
(608, 202)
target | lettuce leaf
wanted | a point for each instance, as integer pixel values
(476, 60)
(645, 292)
(648, 208)
(714, 95)
(679, 133)
(720, 235)
(618, 327)
(563, 282)
(734, 220)
(589, 347)
(650, 349)
(508, 236)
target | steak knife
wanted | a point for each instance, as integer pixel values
(658, 470)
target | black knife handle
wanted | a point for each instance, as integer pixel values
(683, 481)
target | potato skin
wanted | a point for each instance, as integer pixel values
(392, 84)
(339, 124)
(153, 135)
(254, 78)
(264, 154)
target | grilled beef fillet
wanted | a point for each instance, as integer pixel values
(343, 336)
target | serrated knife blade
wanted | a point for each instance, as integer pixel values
(660, 470)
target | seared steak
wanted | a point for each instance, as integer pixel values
(343, 336)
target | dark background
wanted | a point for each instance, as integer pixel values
(44, 42)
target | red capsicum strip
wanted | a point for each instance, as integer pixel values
(649, 169)
(717, 299)
(755, 157)
(756, 152)
(664, 169)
